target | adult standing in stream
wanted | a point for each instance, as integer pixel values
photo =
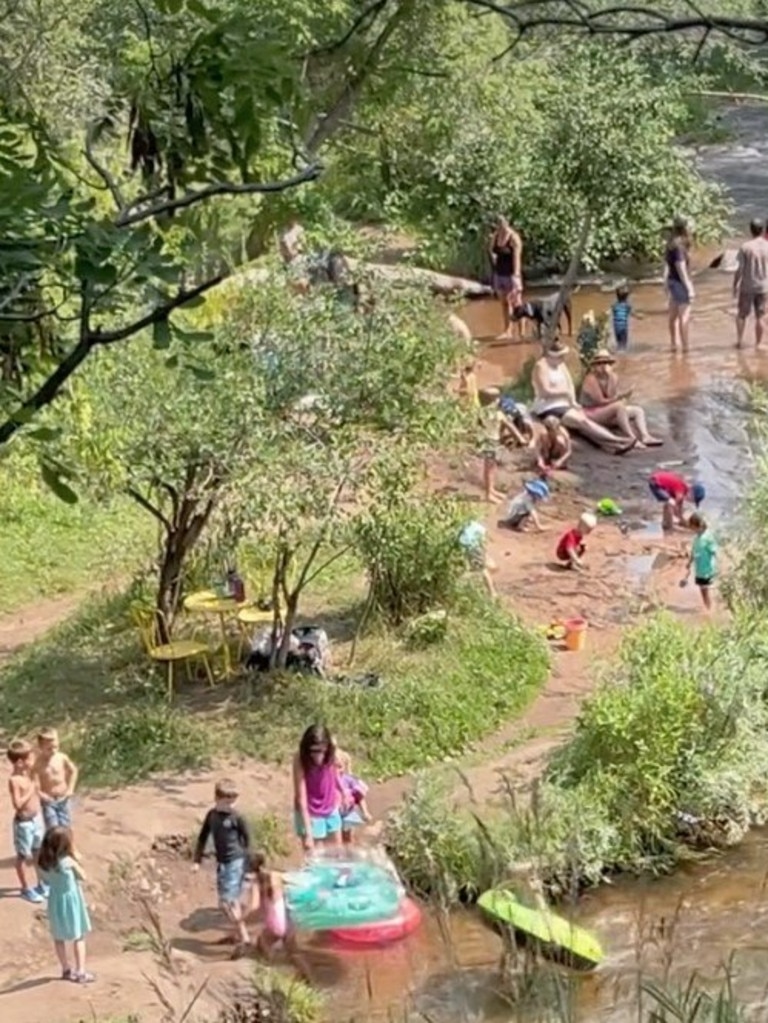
(750, 283)
(506, 253)
(677, 280)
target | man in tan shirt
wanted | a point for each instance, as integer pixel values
(750, 282)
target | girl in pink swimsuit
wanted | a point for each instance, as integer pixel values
(268, 896)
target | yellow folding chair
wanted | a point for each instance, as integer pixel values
(176, 651)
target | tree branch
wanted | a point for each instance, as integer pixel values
(127, 218)
(632, 21)
(148, 506)
(106, 177)
(157, 315)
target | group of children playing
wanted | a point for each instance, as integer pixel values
(245, 884)
(41, 786)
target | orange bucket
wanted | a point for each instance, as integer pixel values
(575, 633)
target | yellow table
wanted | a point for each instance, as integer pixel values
(208, 602)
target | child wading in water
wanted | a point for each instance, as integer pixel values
(703, 559)
(621, 312)
(672, 491)
(56, 777)
(571, 546)
(27, 822)
(68, 918)
(231, 841)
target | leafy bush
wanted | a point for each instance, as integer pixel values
(673, 747)
(411, 553)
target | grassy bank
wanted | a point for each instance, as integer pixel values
(90, 678)
(48, 548)
(671, 749)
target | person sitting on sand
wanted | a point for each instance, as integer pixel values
(517, 413)
(571, 546)
(673, 491)
(522, 507)
(496, 431)
(604, 403)
(553, 446)
(556, 396)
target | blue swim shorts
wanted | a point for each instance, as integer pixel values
(27, 837)
(322, 827)
(229, 881)
(659, 492)
(57, 814)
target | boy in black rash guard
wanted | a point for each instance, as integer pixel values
(231, 841)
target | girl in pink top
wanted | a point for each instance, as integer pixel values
(317, 790)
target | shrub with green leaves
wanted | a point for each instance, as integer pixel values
(410, 550)
(672, 747)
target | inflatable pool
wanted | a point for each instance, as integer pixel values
(331, 894)
(407, 920)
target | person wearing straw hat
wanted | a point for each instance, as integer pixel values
(604, 403)
(555, 395)
(522, 507)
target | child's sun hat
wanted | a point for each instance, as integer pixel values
(537, 489)
(698, 493)
(588, 520)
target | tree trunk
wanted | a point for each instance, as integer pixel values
(552, 328)
(291, 610)
(179, 542)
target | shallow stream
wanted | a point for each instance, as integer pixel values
(710, 913)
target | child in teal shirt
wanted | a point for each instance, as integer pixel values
(703, 558)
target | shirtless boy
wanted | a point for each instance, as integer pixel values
(56, 777)
(27, 825)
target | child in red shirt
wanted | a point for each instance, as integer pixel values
(571, 546)
(673, 491)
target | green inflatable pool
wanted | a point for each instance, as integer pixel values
(557, 937)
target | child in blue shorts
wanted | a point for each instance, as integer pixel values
(231, 842)
(621, 312)
(27, 819)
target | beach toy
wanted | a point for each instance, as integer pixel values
(575, 633)
(553, 935)
(407, 920)
(608, 507)
(331, 894)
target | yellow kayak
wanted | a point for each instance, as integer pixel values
(557, 937)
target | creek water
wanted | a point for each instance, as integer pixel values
(708, 914)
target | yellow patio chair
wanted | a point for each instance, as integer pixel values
(174, 652)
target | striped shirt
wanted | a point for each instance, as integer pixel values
(621, 311)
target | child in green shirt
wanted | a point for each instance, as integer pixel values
(703, 558)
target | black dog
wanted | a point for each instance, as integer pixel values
(541, 311)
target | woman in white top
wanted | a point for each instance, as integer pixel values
(556, 396)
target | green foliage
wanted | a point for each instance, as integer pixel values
(89, 678)
(672, 748)
(48, 548)
(412, 556)
(136, 741)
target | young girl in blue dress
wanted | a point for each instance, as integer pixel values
(68, 918)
